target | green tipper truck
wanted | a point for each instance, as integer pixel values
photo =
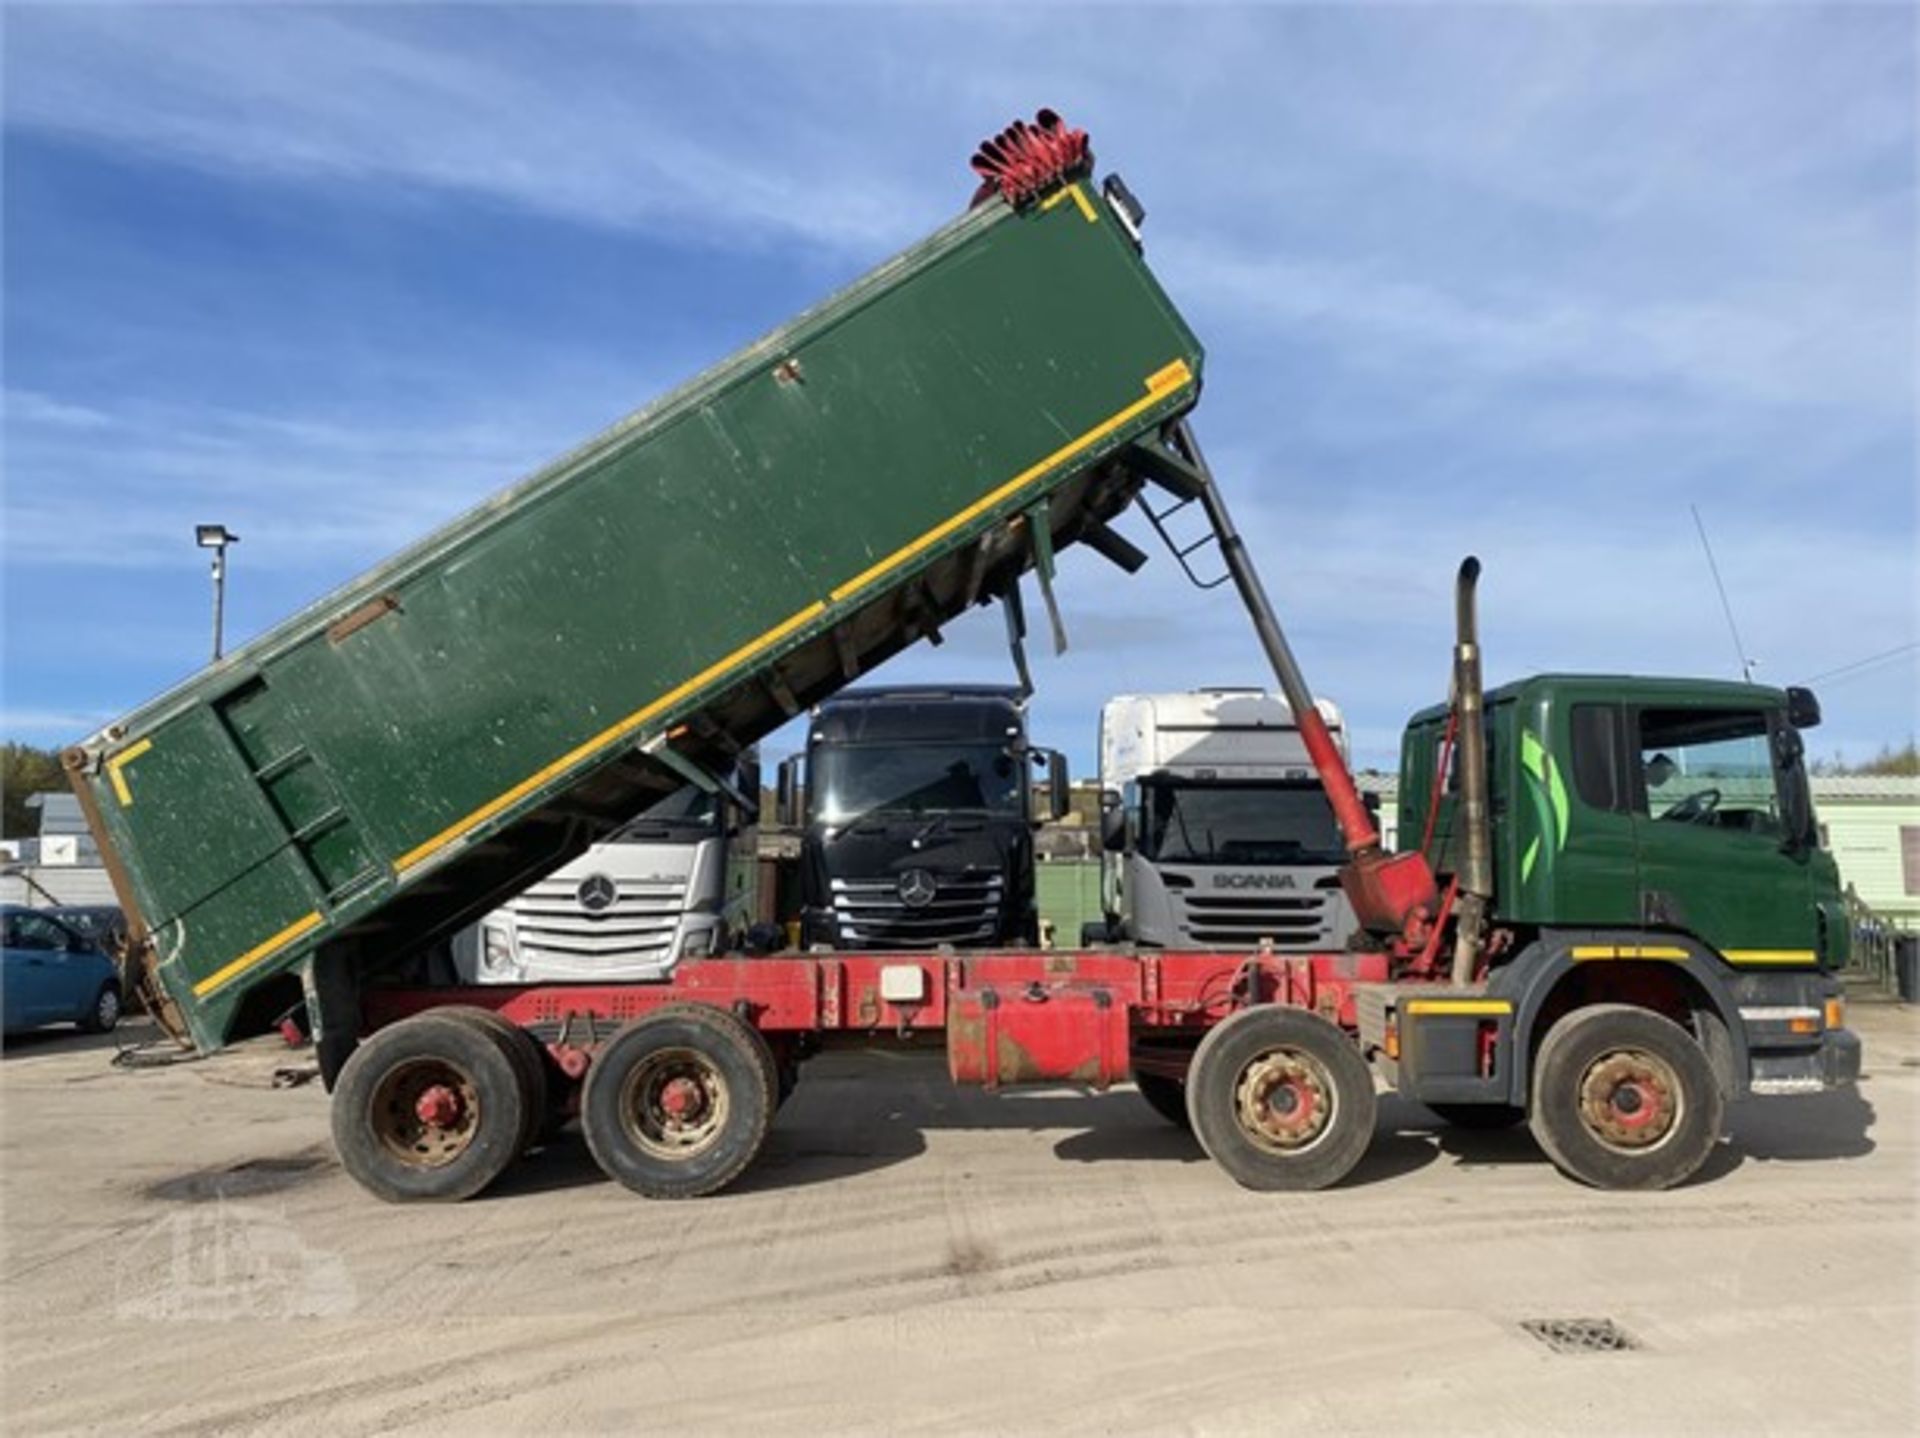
(1616, 918)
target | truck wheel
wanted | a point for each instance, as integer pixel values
(1483, 1116)
(529, 1063)
(1624, 1098)
(678, 1102)
(1280, 1099)
(428, 1108)
(1166, 1097)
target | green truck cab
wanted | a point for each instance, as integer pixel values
(1653, 845)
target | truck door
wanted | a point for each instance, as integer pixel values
(1712, 833)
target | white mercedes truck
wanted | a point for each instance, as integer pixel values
(1214, 830)
(676, 882)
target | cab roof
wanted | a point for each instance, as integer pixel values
(1667, 688)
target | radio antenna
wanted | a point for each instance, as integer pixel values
(1726, 605)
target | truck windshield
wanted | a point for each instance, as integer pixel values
(1238, 824)
(853, 780)
(1710, 767)
(687, 809)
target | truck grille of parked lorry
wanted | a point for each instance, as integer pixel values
(1242, 920)
(552, 922)
(964, 908)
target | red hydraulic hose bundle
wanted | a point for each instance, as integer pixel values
(1024, 160)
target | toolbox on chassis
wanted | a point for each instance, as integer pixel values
(1617, 917)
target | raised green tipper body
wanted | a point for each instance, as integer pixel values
(408, 751)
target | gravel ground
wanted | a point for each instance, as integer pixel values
(183, 1254)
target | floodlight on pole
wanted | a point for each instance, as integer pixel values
(217, 537)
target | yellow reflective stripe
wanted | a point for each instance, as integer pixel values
(116, 778)
(1078, 196)
(257, 954)
(1160, 384)
(612, 733)
(1583, 952)
(1769, 956)
(1458, 1006)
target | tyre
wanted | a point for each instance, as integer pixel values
(1166, 1097)
(1485, 1117)
(1281, 1099)
(1624, 1099)
(104, 1012)
(528, 1061)
(430, 1108)
(678, 1102)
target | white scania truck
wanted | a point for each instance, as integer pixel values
(676, 882)
(1215, 832)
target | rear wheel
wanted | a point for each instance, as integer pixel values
(529, 1063)
(1483, 1116)
(430, 1108)
(678, 1102)
(1625, 1099)
(1281, 1099)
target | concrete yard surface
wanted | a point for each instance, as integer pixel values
(182, 1254)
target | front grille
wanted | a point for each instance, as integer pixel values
(965, 909)
(1242, 920)
(642, 920)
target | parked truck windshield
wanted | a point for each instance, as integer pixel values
(1238, 824)
(857, 780)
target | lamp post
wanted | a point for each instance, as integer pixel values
(217, 537)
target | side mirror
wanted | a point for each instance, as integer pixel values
(1803, 708)
(786, 793)
(747, 779)
(1113, 822)
(1059, 786)
(1796, 804)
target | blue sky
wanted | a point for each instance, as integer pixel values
(1525, 281)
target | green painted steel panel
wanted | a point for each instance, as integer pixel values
(349, 755)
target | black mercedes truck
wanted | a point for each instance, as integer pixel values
(917, 815)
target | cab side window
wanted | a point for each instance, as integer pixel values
(1708, 767)
(1597, 776)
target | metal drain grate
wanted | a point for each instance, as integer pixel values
(1581, 1335)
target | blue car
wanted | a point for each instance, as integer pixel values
(49, 974)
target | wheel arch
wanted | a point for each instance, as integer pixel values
(1674, 976)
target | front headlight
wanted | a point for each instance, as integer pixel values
(496, 949)
(697, 944)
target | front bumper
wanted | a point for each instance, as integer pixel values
(1833, 1063)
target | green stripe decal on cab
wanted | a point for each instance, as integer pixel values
(1549, 797)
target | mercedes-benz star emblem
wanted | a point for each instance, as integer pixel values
(596, 893)
(917, 888)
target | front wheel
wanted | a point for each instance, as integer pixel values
(1281, 1099)
(1624, 1099)
(104, 1012)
